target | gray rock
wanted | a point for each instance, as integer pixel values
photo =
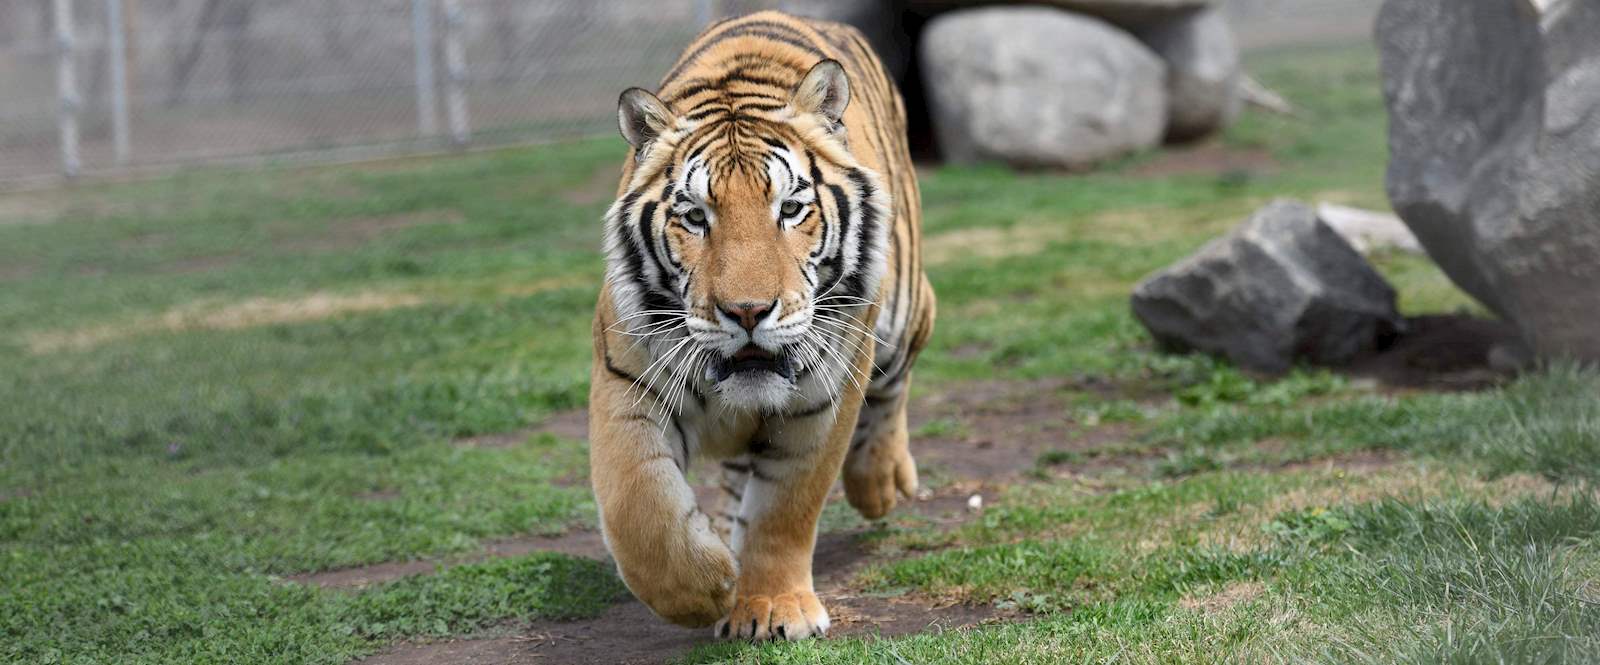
(1494, 141)
(1130, 14)
(1203, 72)
(1369, 231)
(1281, 287)
(1039, 87)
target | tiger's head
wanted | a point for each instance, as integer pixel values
(747, 243)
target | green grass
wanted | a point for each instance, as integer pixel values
(215, 381)
(137, 611)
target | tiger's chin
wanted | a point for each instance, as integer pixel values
(754, 379)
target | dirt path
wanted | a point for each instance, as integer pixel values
(628, 633)
(994, 433)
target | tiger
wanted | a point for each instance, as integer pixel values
(764, 303)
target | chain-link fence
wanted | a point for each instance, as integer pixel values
(97, 85)
(94, 86)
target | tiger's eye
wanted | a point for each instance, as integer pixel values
(697, 216)
(790, 208)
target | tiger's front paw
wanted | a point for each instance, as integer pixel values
(691, 586)
(873, 475)
(786, 616)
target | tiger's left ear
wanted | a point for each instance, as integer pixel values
(824, 91)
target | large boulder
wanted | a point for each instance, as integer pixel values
(1040, 87)
(1494, 142)
(1131, 14)
(1282, 287)
(1203, 72)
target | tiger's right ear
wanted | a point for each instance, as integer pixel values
(642, 117)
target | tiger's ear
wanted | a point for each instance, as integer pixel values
(824, 91)
(642, 117)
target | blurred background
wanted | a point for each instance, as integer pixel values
(111, 86)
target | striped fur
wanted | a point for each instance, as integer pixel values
(764, 305)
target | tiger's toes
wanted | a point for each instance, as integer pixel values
(787, 616)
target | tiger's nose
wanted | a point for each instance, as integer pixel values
(748, 314)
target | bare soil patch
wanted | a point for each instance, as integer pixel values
(1004, 426)
(572, 424)
(1213, 158)
(578, 542)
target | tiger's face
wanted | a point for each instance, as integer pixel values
(746, 245)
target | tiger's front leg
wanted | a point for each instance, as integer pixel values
(789, 472)
(774, 534)
(664, 546)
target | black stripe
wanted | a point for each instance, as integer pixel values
(842, 212)
(633, 380)
(619, 372)
(647, 235)
(766, 108)
(634, 258)
(683, 443)
(742, 74)
(870, 228)
(701, 115)
(696, 152)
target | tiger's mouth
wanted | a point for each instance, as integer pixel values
(753, 358)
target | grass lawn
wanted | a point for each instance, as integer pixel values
(214, 383)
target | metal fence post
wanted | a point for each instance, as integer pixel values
(117, 54)
(422, 44)
(66, 89)
(455, 64)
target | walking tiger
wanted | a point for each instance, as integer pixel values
(764, 304)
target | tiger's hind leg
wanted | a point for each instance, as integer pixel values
(879, 467)
(879, 464)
